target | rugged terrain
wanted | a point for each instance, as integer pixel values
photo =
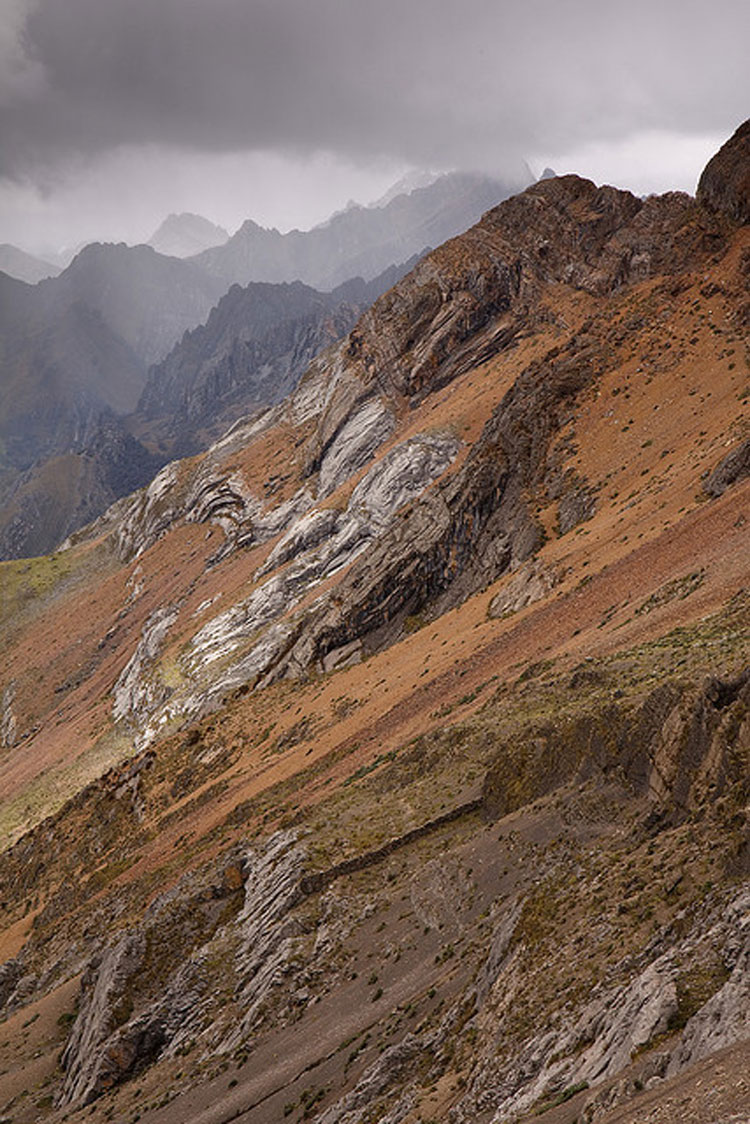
(126, 330)
(389, 761)
(250, 353)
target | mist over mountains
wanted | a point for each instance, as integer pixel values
(357, 242)
(82, 347)
(183, 235)
(374, 565)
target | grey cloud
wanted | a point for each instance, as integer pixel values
(445, 82)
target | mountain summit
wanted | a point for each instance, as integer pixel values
(183, 235)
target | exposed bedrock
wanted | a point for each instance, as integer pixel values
(724, 185)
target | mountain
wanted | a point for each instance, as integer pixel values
(389, 760)
(25, 267)
(75, 353)
(148, 299)
(360, 241)
(183, 235)
(65, 375)
(251, 352)
(138, 303)
(412, 181)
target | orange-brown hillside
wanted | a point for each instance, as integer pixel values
(389, 760)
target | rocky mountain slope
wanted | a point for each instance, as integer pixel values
(93, 332)
(183, 235)
(359, 241)
(390, 760)
(251, 353)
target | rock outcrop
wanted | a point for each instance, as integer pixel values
(121, 1026)
(724, 185)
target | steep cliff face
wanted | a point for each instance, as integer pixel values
(390, 759)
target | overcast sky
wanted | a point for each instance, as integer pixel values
(115, 112)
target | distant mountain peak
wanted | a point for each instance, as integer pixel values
(409, 182)
(182, 235)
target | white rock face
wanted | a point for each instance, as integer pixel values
(598, 1043)
(149, 513)
(244, 643)
(322, 542)
(272, 889)
(85, 1058)
(8, 725)
(616, 1024)
(354, 444)
(135, 693)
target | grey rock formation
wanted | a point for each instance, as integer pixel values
(266, 939)
(231, 648)
(138, 692)
(8, 723)
(599, 1042)
(354, 444)
(97, 1052)
(725, 1018)
(731, 468)
(395, 1064)
(122, 1027)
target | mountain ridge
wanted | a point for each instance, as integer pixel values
(360, 242)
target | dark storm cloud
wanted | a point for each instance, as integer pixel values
(431, 81)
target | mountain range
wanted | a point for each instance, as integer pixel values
(389, 759)
(250, 353)
(79, 348)
(359, 241)
(81, 424)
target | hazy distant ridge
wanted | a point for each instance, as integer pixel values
(360, 241)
